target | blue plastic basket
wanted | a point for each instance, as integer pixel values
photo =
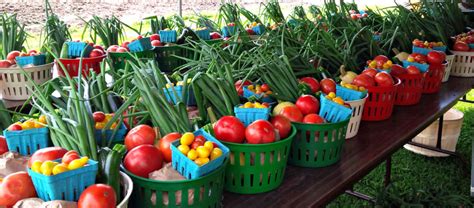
(168, 36)
(422, 67)
(26, 142)
(187, 167)
(170, 96)
(204, 34)
(35, 60)
(349, 94)
(377, 37)
(259, 29)
(248, 94)
(332, 111)
(75, 49)
(228, 31)
(471, 45)
(425, 51)
(140, 45)
(64, 186)
(118, 137)
(249, 115)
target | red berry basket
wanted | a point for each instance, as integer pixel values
(409, 91)
(72, 66)
(433, 78)
(379, 104)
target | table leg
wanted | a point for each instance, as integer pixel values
(388, 171)
(440, 131)
(464, 99)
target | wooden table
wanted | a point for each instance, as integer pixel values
(375, 142)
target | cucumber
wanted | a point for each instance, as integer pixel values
(64, 50)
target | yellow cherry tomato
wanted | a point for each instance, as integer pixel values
(38, 125)
(47, 167)
(28, 124)
(361, 88)
(61, 168)
(42, 119)
(216, 152)
(269, 92)
(36, 166)
(192, 154)
(248, 105)
(338, 100)
(343, 83)
(389, 62)
(100, 125)
(108, 117)
(78, 163)
(250, 87)
(411, 59)
(332, 95)
(203, 152)
(209, 145)
(183, 149)
(113, 126)
(201, 161)
(187, 138)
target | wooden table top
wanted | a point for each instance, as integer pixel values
(375, 142)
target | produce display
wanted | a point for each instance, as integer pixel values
(28, 124)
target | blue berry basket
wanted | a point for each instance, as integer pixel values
(75, 49)
(27, 142)
(248, 94)
(259, 29)
(228, 31)
(35, 60)
(332, 111)
(187, 167)
(140, 45)
(204, 34)
(376, 37)
(118, 137)
(65, 186)
(422, 67)
(471, 45)
(170, 95)
(249, 115)
(348, 94)
(425, 51)
(168, 36)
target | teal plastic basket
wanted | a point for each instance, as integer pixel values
(332, 111)
(27, 142)
(168, 36)
(140, 45)
(249, 115)
(64, 186)
(187, 167)
(425, 51)
(170, 96)
(228, 31)
(35, 60)
(75, 49)
(349, 94)
(248, 94)
(204, 34)
(109, 135)
(422, 67)
(259, 29)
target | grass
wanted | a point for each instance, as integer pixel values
(419, 181)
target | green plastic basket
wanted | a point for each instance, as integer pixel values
(119, 59)
(212, 184)
(260, 167)
(318, 145)
(166, 57)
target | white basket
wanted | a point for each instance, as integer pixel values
(127, 185)
(357, 108)
(447, 70)
(13, 84)
(463, 65)
(452, 123)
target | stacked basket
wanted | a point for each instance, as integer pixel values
(14, 84)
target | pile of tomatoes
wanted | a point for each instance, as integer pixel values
(255, 105)
(380, 62)
(70, 161)
(101, 119)
(426, 44)
(433, 57)
(28, 124)
(263, 89)
(462, 41)
(197, 149)
(11, 58)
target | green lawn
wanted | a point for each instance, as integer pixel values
(419, 181)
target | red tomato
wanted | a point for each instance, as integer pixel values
(164, 145)
(292, 113)
(154, 37)
(12, 55)
(282, 125)
(156, 43)
(99, 47)
(229, 129)
(461, 46)
(420, 58)
(5, 63)
(436, 57)
(265, 87)
(260, 132)
(97, 196)
(250, 31)
(139, 37)
(380, 59)
(384, 79)
(200, 138)
(215, 35)
(328, 85)
(196, 144)
(364, 80)
(15, 127)
(121, 50)
(96, 53)
(125, 44)
(98, 116)
(32, 52)
(112, 48)
(413, 70)
(370, 72)
(307, 104)
(70, 156)
(312, 82)
(397, 70)
(141, 134)
(48, 153)
(143, 160)
(239, 86)
(15, 187)
(313, 118)
(3, 145)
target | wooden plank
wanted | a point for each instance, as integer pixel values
(376, 141)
